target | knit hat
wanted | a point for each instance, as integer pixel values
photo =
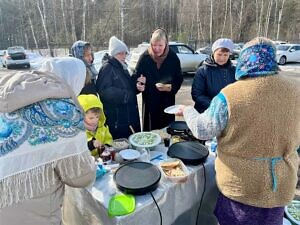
(116, 46)
(222, 43)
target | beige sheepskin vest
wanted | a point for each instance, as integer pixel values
(257, 161)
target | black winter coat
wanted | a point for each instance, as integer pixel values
(154, 101)
(89, 88)
(117, 92)
(208, 82)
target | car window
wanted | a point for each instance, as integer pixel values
(184, 50)
(12, 50)
(283, 47)
(297, 48)
(174, 48)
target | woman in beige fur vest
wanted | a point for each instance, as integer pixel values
(257, 123)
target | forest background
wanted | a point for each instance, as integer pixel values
(50, 24)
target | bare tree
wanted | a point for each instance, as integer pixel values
(230, 13)
(268, 17)
(279, 19)
(155, 3)
(122, 14)
(55, 20)
(73, 33)
(240, 19)
(211, 22)
(259, 31)
(31, 26)
(275, 18)
(225, 18)
(199, 23)
(43, 16)
(256, 13)
(64, 19)
(84, 2)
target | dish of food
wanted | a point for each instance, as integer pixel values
(176, 138)
(172, 109)
(292, 210)
(145, 139)
(174, 169)
(130, 154)
(120, 144)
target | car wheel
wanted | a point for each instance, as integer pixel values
(8, 67)
(282, 60)
(27, 66)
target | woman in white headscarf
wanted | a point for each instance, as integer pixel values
(71, 70)
(42, 143)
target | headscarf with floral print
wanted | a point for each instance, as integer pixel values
(256, 60)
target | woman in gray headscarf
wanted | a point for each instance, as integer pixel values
(83, 50)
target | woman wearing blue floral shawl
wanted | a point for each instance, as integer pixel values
(257, 123)
(42, 142)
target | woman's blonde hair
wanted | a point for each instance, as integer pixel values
(88, 77)
(159, 34)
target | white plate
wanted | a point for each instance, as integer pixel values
(172, 109)
(130, 154)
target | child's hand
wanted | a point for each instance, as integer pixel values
(97, 143)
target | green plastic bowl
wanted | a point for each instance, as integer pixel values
(121, 204)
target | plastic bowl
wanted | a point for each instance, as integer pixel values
(120, 144)
(293, 208)
(142, 140)
(286, 222)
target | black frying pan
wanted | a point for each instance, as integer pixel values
(189, 152)
(137, 178)
(177, 127)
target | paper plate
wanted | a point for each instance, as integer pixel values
(130, 154)
(172, 109)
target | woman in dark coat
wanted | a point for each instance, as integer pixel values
(117, 91)
(161, 68)
(215, 73)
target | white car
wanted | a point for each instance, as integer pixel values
(15, 57)
(98, 56)
(287, 53)
(189, 59)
